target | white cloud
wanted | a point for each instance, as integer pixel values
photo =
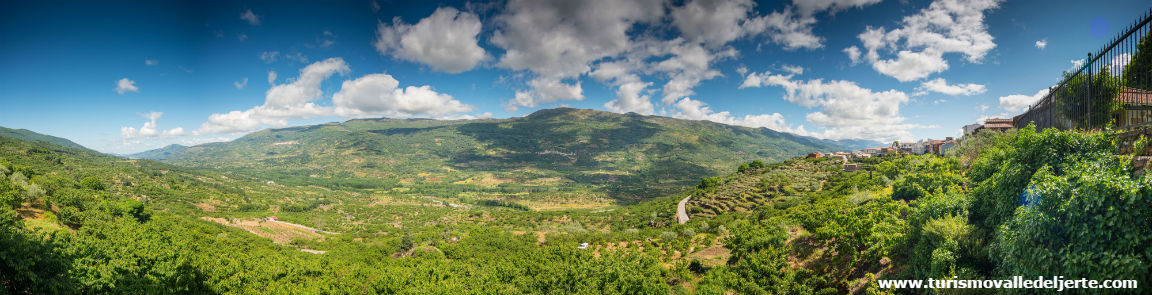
(295, 99)
(150, 129)
(714, 23)
(240, 84)
(1042, 43)
(560, 41)
(788, 29)
(844, 109)
(151, 62)
(910, 66)
(372, 95)
(545, 90)
(375, 6)
(792, 27)
(946, 26)
(631, 91)
(1117, 64)
(269, 56)
(1019, 102)
(124, 85)
(940, 85)
(1076, 64)
(378, 95)
(687, 108)
(798, 70)
(687, 65)
(560, 38)
(250, 17)
(445, 40)
(299, 57)
(853, 54)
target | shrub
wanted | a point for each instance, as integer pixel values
(1088, 220)
(92, 183)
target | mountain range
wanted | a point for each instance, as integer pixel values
(551, 153)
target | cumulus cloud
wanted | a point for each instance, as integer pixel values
(1042, 43)
(240, 84)
(792, 27)
(843, 108)
(545, 90)
(372, 95)
(558, 41)
(378, 95)
(687, 64)
(125, 85)
(910, 66)
(269, 56)
(295, 99)
(853, 53)
(798, 70)
(1117, 64)
(631, 91)
(946, 26)
(1019, 102)
(939, 85)
(687, 108)
(250, 17)
(559, 38)
(714, 23)
(150, 62)
(150, 129)
(445, 40)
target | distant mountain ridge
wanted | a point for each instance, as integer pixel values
(29, 135)
(158, 154)
(617, 156)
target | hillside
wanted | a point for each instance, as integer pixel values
(555, 157)
(158, 154)
(28, 135)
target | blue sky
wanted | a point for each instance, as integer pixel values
(127, 76)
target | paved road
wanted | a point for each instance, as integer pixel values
(681, 214)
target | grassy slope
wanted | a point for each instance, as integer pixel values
(28, 135)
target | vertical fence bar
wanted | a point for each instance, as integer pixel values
(1118, 78)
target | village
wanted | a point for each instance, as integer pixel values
(925, 146)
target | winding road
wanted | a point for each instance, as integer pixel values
(681, 214)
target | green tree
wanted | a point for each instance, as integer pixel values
(92, 183)
(1138, 72)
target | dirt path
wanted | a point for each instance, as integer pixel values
(681, 214)
(305, 227)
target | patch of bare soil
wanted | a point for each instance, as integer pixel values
(278, 232)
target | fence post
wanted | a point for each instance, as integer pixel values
(1089, 65)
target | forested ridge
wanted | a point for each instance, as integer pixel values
(1023, 203)
(551, 158)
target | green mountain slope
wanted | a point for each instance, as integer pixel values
(160, 153)
(28, 135)
(556, 157)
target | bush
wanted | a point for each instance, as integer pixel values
(1090, 220)
(688, 232)
(668, 236)
(92, 183)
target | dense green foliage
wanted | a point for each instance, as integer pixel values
(1022, 203)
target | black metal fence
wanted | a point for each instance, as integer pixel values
(1113, 86)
